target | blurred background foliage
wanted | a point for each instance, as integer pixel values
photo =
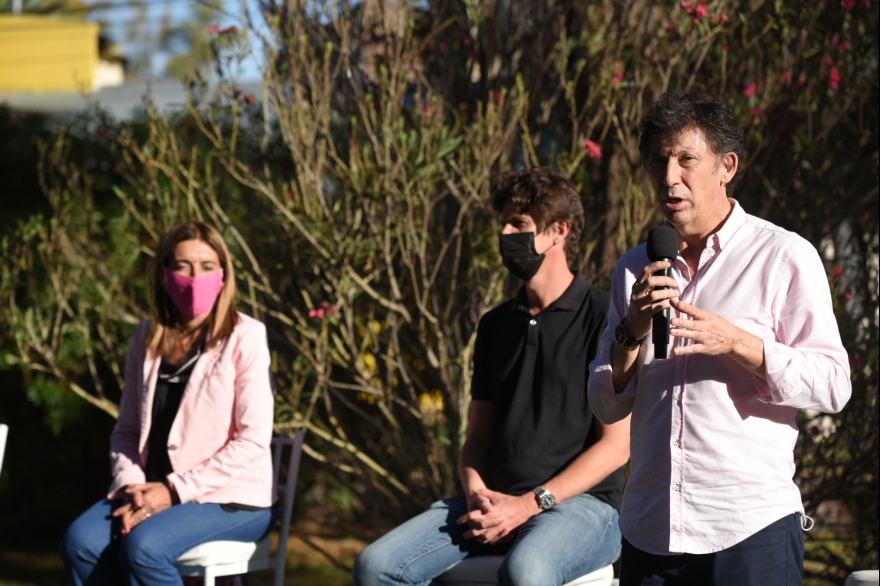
(353, 194)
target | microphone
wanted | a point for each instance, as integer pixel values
(662, 245)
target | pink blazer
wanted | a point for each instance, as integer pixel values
(219, 444)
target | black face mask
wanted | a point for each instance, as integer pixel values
(519, 254)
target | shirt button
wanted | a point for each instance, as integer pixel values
(172, 447)
(676, 443)
(533, 322)
(676, 487)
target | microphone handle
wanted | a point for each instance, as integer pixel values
(660, 325)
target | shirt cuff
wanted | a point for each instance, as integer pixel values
(176, 482)
(777, 365)
(610, 407)
(131, 476)
(603, 387)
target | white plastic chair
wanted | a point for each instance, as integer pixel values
(4, 431)
(864, 578)
(230, 558)
(482, 570)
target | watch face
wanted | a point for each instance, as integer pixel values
(546, 499)
(622, 337)
(620, 334)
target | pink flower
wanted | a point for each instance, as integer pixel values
(671, 27)
(750, 89)
(444, 47)
(847, 295)
(834, 78)
(687, 6)
(757, 112)
(617, 78)
(289, 195)
(828, 61)
(835, 41)
(593, 150)
(836, 271)
(476, 116)
(233, 30)
(213, 29)
(844, 46)
(429, 45)
(322, 311)
(497, 96)
(785, 78)
(866, 3)
(700, 12)
(848, 4)
(802, 80)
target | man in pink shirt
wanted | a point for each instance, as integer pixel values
(710, 498)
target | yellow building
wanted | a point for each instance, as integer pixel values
(40, 54)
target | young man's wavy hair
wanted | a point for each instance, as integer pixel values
(675, 112)
(547, 197)
(166, 318)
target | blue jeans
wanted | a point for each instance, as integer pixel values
(94, 552)
(577, 536)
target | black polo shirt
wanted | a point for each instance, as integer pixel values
(535, 369)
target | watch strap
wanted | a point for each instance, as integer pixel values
(621, 334)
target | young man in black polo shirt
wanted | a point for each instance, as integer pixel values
(542, 478)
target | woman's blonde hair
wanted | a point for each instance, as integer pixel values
(164, 331)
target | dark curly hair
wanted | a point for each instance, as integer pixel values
(547, 197)
(675, 112)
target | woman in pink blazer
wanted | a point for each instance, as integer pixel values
(190, 451)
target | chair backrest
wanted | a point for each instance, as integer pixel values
(286, 490)
(4, 431)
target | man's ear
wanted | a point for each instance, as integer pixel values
(729, 165)
(562, 229)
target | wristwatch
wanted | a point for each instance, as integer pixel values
(623, 338)
(545, 498)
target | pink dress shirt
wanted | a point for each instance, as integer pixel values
(712, 444)
(219, 443)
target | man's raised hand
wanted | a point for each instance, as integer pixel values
(714, 335)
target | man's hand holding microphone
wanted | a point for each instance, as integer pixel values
(655, 289)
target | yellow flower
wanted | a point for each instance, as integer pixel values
(369, 362)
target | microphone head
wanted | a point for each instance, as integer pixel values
(662, 243)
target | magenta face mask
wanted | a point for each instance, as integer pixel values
(194, 296)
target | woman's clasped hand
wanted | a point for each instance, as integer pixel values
(141, 501)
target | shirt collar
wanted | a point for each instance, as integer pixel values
(736, 219)
(570, 300)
